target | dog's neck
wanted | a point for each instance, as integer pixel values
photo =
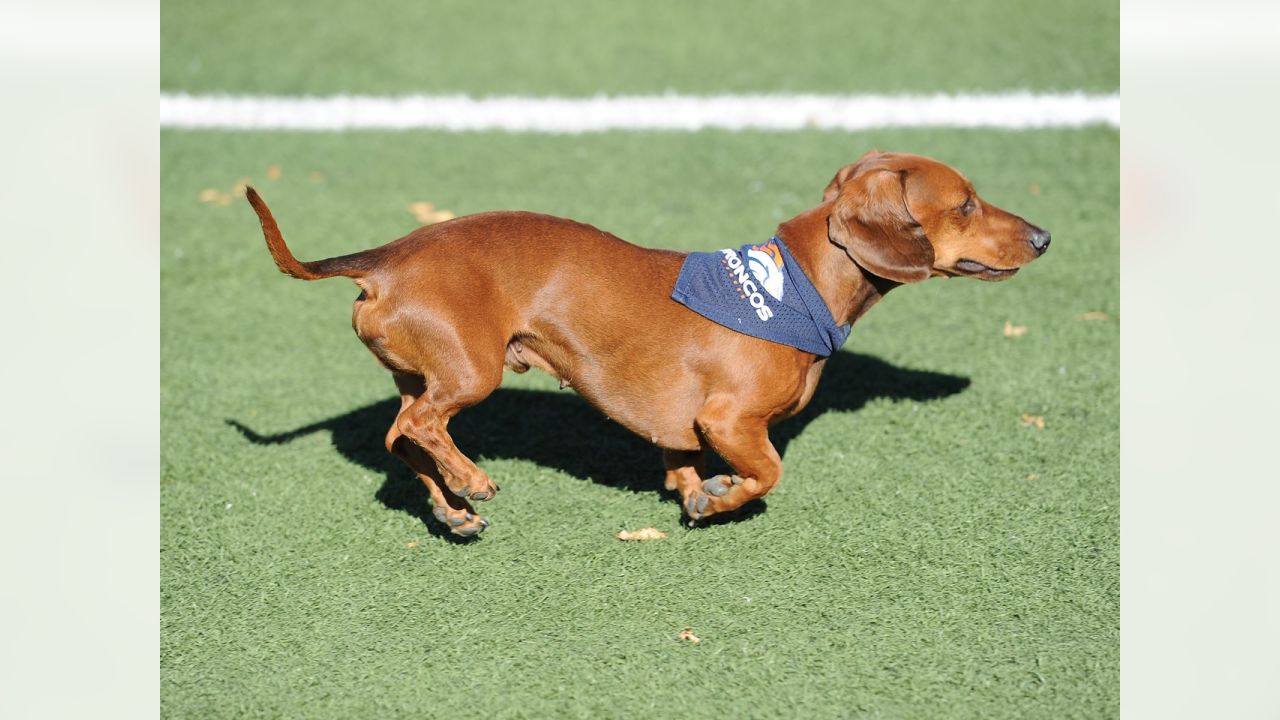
(848, 290)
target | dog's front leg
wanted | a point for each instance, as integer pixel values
(744, 444)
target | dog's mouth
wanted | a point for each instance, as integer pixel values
(985, 272)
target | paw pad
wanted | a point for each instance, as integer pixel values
(716, 486)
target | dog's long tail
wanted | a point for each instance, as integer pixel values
(356, 265)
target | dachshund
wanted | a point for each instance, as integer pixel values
(448, 306)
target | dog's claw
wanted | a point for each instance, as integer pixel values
(716, 486)
(482, 495)
(456, 521)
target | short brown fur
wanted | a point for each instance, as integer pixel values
(522, 290)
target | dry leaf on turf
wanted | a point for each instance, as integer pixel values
(240, 186)
(644, 534)
(427, 214)
(1034, 188)
(315, 176)
(1035, 420)
(1011, 330)
(687, 634)
(1095, 315)
(1032, 476)
(411, 544)
(274, 172)
(215, 197)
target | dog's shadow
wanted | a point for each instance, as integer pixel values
(558, 429)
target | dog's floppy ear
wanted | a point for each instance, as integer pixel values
(870, 220)
(833, 187)
(846, 172)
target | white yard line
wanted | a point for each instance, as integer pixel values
(459, 113)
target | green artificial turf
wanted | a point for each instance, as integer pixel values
(926, 555)
(583, 47)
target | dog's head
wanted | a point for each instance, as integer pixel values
(907, 218)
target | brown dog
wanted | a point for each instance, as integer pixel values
(446, 307)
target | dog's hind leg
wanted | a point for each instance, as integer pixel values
(743, 442)
(451, 386)
(685, 469)
(455, 512)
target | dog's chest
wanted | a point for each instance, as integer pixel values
(807, 388)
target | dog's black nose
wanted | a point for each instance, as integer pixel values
(1039, 240)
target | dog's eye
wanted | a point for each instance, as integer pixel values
(968, 207)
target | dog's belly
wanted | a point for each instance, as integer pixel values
(658, 391)
(663, 413)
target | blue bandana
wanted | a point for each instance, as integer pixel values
(759, 290)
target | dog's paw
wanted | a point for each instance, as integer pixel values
(695, 504)
(705, 501)
(460, 522)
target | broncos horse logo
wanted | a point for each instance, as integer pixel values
(765, 263)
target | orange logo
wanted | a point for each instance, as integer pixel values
(765, 262)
